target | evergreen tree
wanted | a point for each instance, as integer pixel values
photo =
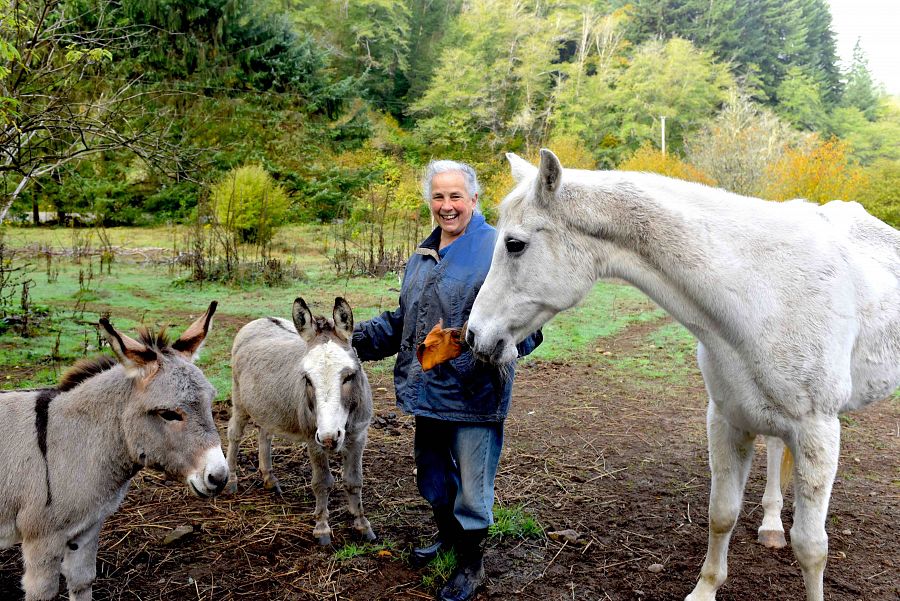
(860, 90)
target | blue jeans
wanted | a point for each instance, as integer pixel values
(456, 464)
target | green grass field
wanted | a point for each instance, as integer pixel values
(74, 294)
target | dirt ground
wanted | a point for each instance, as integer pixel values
(620, 460)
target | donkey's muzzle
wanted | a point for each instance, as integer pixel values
(212, 477)
(330, 441)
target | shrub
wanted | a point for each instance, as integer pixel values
(819, 172)
(648, 158)
(249, 203)
(881, 192)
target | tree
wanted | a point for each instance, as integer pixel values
(494, 79)
(860, 91)
(58, 105)
(800, 100)
(619, 110)
(740, 144)
(760, 39)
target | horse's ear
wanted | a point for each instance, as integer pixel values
(550, 172)
(303, 319)
(191, 341)
(343, 319)
(137, 358)
(520, 168)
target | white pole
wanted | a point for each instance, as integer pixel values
(662, 121)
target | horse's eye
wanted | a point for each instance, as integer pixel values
(348, 378)
(170, 416)
(514, 246)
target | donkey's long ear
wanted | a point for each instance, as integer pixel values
(303, 319)
(550, 173)
(343, 319)
(135, 357)
(521, 169)
(192, 340)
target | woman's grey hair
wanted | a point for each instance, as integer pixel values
(435, 167)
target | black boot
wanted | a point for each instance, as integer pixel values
(448, 529)
(469, 572)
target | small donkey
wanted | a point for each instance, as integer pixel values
(303, 381)
(68, 453)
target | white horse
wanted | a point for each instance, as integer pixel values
(796, 307)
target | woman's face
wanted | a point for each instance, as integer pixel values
(451, 204)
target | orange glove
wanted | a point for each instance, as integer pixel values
(440, 345)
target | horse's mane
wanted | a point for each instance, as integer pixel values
(85, 369)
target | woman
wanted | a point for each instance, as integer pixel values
(459, 406)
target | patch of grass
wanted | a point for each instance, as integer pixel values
(352, 550)
(514, 521)
(607, 310)
(439, 570)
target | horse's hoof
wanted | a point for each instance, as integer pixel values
(773, 539)
(324, 540)
(231, 487)
(369, 536)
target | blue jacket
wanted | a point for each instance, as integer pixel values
(435, 288)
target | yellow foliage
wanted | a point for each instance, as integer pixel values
(819, 172)
(571, 152)
(647, 158)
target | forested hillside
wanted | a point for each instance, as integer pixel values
(132, 111)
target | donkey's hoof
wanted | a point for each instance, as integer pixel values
(231, 487)
(324, 540)
(368, 535)
(271, 485)
(773, 539)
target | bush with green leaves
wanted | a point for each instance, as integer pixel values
(249, 203)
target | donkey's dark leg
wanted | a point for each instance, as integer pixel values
(79, 564)
(353, 479)
(43, 559)
(322, 482)
(236, 426)
(270, 482)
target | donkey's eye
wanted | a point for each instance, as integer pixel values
(348, 379)
(169, 415)
(514, 246)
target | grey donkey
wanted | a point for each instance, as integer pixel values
(302, 380)
(68, 453)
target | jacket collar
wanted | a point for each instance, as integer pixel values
(431, 245)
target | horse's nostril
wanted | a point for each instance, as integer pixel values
(498, 350)
(470, 337)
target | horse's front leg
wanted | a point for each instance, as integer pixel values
(79, 564)
(771, 532)
(353, 479)
(43, 559)
(815, 466)
(730, 455)
(322, 482)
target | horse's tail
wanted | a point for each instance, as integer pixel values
(787, 468)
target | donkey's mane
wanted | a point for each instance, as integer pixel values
(85, 369)
(158, 341)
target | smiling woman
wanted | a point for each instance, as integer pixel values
(459, 405)
(453, 191)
